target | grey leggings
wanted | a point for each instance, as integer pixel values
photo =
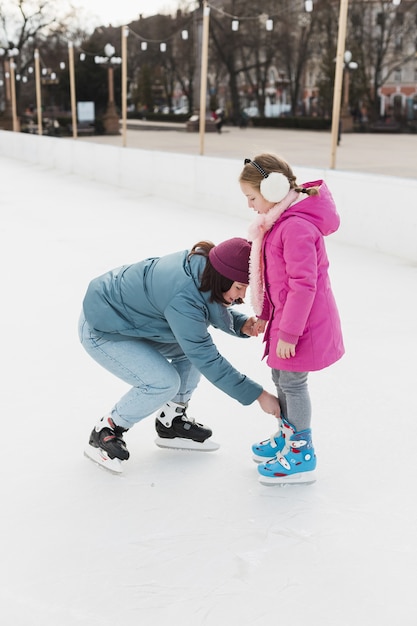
(294, 398)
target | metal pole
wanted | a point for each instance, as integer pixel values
(110, 83)
(337, 95)
(72, 89)
(204, 64)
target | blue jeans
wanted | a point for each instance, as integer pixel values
(294, 397)
(158, 372)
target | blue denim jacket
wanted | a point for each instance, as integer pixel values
(159, 299)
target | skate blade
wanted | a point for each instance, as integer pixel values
(100, 457)
(260, 459)
(180, 443)
(303, 478)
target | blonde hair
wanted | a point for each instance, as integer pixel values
(271, 163)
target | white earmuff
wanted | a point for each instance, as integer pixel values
(275, 187)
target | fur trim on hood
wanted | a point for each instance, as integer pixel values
(257, 231)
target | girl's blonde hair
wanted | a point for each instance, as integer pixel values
(271, 163)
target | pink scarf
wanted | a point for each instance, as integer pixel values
(256, 234)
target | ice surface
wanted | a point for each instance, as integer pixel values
(191, 538)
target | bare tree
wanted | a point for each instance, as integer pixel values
(381, 37)
(29, 24)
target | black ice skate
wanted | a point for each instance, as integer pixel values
(106, 445)
(176, 430)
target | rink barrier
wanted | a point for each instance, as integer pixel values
(378, 212)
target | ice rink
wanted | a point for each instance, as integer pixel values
(185, 537)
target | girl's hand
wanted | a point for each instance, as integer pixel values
(285, 350)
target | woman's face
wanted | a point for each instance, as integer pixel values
(236, 292)
(256, 201)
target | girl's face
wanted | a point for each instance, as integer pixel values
(236, 292)
(256, 201)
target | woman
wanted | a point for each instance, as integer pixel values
(147, 323)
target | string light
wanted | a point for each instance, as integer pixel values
(268, 21)
(161, 42)
(235, 23)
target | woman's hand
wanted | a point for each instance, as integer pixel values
(249, 327)
(253, 327)
(269, 403)
(285, 350)
(260, 325)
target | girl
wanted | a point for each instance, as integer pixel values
(147, 323)
(292, 297)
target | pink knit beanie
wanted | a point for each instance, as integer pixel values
(231, 259)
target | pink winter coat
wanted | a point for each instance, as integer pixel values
(299, 302)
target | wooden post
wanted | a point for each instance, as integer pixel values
(72, 89)
(337, 94)
(125, 33)
(204, 64)
(13, 94)
(38, 92)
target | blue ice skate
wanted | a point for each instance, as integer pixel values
(268, 448)
(295, 463)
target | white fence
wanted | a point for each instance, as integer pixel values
(377, 212)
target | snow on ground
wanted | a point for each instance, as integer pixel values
(192, 538)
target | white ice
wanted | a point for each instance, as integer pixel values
(192, 538)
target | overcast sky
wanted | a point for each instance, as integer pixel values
(125, 11)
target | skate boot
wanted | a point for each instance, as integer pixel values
(176, 430)
(106, 445)
(268, 448)
(295, 463)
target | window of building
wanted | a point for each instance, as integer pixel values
(399, 18)
(398, 43)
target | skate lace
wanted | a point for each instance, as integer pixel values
(185, 418)
(272, 439)
(109, 433)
